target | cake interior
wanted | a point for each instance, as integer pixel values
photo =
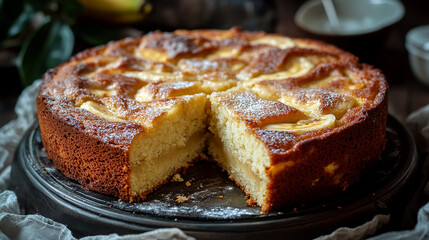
(241, 154)
(176, 140)
(185, 132)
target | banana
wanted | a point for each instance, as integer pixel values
(112, 5)
(101, 111)
(306, 125)
(126, 11)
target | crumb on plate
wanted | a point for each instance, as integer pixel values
(177, 178)
(182, 199)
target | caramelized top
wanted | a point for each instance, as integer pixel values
(276, 84)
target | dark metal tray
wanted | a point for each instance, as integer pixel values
(216, 207)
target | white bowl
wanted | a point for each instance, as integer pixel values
(417, 44)
(356, 17)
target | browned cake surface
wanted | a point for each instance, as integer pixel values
(91, 108)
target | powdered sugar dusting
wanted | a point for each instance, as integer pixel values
(250, 107)
(327, 98)
(170, 42)
(200, 65)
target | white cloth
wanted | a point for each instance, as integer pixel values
(11, 133)
(14, 225)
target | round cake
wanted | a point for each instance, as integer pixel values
(290, 120)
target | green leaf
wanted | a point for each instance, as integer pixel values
(97, 34)
(23, 21)
(51, 45)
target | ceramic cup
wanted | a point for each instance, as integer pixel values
(354, 17)
(417, 44)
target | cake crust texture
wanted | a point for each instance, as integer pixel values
(291, 120)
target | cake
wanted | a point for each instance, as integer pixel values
(290, 120)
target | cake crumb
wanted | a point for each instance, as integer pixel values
(220, 197)
(177, 178)
(162, 195)
(182, 199)
(188, 183)
(119, 200)
(251, 202)
(201, 185)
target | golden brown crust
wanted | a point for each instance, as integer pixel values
(354, 148)
(272, 77)
(99, 165)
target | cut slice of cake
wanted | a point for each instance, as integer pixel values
(280, 156)
(169, 146)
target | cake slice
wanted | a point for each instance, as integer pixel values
(169, 146)
(281, 156)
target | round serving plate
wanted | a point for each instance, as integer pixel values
(214, 206)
